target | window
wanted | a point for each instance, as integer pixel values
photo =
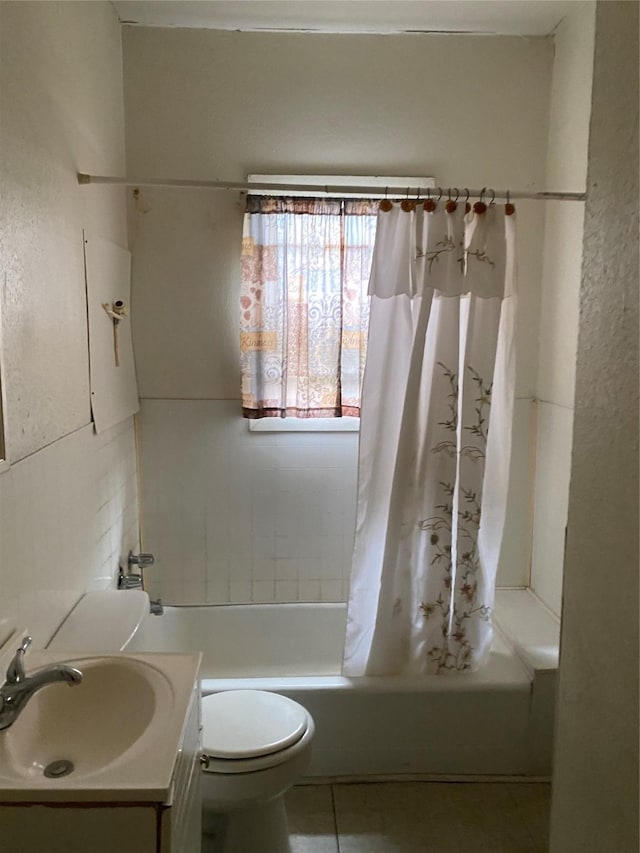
(304, 302)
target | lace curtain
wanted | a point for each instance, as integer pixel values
(304, 305)
(435, 440)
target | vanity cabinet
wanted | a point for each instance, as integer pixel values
(180, 819)
(138, 822)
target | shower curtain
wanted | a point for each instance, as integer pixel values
(435, 440)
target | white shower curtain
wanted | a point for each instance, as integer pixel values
(435, 441)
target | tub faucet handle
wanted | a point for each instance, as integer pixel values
(141, 560)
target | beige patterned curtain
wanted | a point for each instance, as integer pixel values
(304, 305)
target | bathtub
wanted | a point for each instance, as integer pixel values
(487, 722)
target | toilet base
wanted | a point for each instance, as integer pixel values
(261, 827)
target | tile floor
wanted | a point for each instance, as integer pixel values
(419, 817)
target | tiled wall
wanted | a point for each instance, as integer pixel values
(239, 516)
(68, 515)
(566, 170)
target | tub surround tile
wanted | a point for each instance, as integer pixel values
(218, 591)
(285, 570)
(331, 590)
(239, 592)
(263, 592)
(551, 499)
(309, 590)
(286, 591)
(194, 592)
(310, 569)
(265, 507)
(259, 507)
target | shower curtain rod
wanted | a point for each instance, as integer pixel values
(333, 189)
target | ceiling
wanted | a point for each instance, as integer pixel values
(499, 17)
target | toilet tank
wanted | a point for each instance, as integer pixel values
(102, 621)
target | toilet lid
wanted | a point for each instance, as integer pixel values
(248, 723)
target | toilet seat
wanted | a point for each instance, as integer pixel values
(245, 731)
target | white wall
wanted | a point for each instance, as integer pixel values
(595, 783)
(207, 104)
(566, 170)
(68, 502)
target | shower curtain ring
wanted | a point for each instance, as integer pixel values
(452, 204)
(407, 205)
(493, 195)
(385, 205)
(509, 208)
(480, 207)
(429, 204)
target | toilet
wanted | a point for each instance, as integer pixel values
(255, 744)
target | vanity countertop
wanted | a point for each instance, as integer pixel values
(122, 728)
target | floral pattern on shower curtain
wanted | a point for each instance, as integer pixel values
(435, 442)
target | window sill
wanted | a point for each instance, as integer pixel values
(304, 425)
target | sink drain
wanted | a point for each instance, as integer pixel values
(57, 769)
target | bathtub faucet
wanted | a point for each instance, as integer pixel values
(20, 687)
(155, 607)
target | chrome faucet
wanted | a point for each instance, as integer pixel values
(140, 560)
(134, 580)
(20, 687)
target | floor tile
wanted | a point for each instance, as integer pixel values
(418, 817)
(432, 817)
(311, 819)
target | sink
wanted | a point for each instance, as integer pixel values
(101, 724)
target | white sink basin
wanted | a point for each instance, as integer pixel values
(92, 724)
(117, 731)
